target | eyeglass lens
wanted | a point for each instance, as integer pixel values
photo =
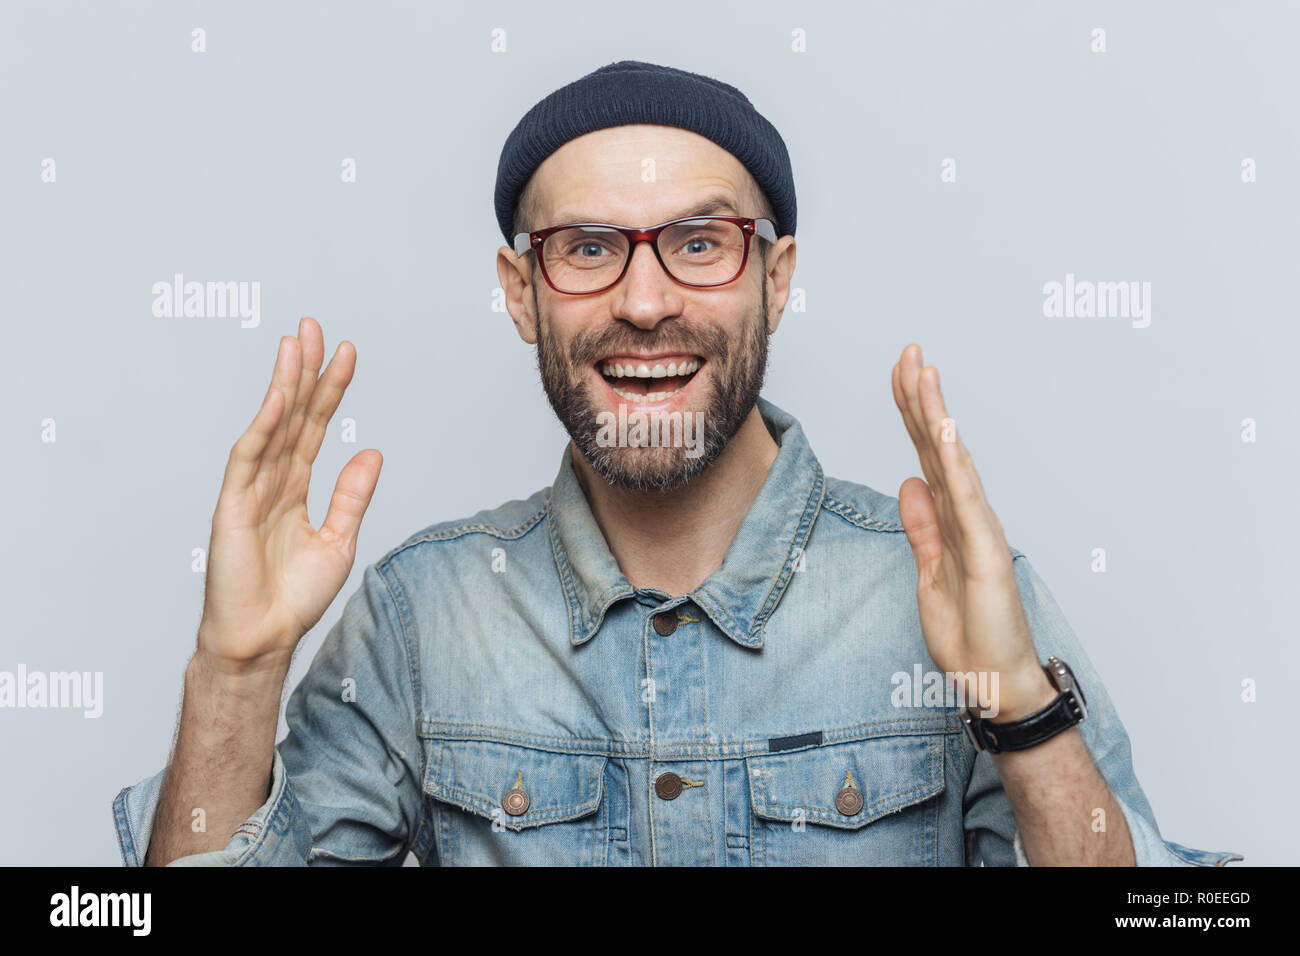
(696, 251)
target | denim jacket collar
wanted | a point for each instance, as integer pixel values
(744, 591)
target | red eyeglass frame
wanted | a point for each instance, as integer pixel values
(532, 242)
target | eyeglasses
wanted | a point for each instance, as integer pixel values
(584, 258)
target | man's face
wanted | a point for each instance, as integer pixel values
(694, 354)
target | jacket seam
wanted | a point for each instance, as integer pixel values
(413, 665)
(248, 856)
(855, 517)
(719, 749)
(812, 507)
(562, 566)
(459, 531)
(122, 822)
(319, 852)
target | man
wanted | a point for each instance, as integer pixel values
(693, 648)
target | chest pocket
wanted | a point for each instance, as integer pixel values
(806, 811)
(501, 804)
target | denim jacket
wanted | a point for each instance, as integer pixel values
(497, 692)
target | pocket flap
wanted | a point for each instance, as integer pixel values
(891, 773)
(476, 775)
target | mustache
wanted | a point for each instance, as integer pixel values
(591, 345)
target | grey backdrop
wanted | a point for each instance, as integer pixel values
(1088, 432)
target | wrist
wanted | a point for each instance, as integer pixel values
(1023, 694)
(228, 713)
(242, 677)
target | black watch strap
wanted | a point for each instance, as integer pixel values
(1068, 709)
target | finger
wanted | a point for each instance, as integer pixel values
(313, 352)
(352, 494)
(288, 369)
(325, 402)
(915, 427)
(909, 370)
(896, 382)
(246, 455)
(965, 496)
(942, 431)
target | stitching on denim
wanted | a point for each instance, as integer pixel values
(626, 793)
(723, 772)
(413, 664)
(874, 811)
(1222, 858)
(949, 720)
(125, 838)
(566, 577)
(441, 823)
(459, 531)
(946, 722)
(938, 752)
(477, 802)
(811, 507)
(605, 601)
(720, 617)
(882, 807)
(583, 622)
(282, 810)
(853, 516)
(753, 638)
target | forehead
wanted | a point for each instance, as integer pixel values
(638, 175)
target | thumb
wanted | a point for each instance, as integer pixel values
(352, 494)
(916, 509)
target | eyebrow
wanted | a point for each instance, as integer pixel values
(706, 207)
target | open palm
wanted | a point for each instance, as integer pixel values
(271, 575)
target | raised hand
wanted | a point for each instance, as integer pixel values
(969, 604)
(271, 575)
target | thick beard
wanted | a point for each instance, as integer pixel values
(736, 374)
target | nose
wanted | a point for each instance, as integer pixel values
(647, 295)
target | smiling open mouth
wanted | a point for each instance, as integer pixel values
(646, 380)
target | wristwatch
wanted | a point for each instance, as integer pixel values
(1068, 709)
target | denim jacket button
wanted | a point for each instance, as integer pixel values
(516, 801)
(668, 786)
(665, 623)
(849, 801)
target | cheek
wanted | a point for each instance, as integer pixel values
(568, 324)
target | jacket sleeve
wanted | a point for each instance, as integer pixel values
(346, 780)
(992, 834)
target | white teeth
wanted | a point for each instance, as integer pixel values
(645, 371)
(614, 370)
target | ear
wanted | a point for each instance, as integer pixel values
(780, 268)
(516, 277)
